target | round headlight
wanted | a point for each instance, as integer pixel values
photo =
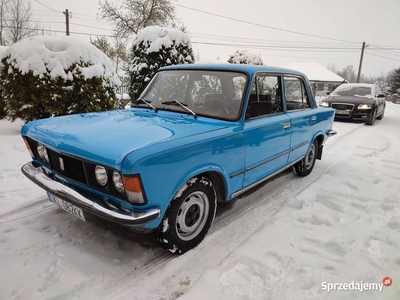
(101, 175)
(118, 184)
(41, 149)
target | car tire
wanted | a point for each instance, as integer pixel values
(382, 115)
(306, 165)
(189, 216)
(371, 120)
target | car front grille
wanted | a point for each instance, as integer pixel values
(68, 166)
(343, 109)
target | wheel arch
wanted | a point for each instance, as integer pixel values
(320, 138)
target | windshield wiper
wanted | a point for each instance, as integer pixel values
(183, 105)
(147, 102)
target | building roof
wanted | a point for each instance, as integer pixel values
(315, 72)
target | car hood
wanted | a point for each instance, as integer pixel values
(107, 137)
(350, 99)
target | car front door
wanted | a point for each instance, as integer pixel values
(267, 129)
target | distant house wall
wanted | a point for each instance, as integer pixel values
(320, 88)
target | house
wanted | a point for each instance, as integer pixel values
(322, 80)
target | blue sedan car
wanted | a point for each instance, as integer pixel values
(197, 136)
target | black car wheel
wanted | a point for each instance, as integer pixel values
(306, 165)
(372, 118)
(382, 115)
(189, 216)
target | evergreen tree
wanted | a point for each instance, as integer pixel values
(153, 48)
(245, 57)
(394, 81)
(31, 96)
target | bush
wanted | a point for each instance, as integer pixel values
(58, 76)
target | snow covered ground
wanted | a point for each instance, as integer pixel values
(288, 239)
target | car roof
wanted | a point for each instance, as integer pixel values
(250, 69)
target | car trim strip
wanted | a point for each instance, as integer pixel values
(124, 217)
(299, 146)
(237, 174)
(267, 161)
(264, 179)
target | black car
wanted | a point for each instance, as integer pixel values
(357, 101)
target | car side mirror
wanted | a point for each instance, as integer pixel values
(381, 95)
(328, 93)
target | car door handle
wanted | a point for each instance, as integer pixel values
(286, 125)
(313, 118)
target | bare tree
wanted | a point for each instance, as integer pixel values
(133, 15)
(19, 23)
(116, 51)
(348, 73)
(3, 16)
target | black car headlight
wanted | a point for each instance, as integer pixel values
(324, 104)
(365, 106)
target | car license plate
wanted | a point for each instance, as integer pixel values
(68, 207)
(342, 112)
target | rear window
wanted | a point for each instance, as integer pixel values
(345, 90)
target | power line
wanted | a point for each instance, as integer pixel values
(282, 48)
(265, 26)
(382, 56)
(90, 26)
(48, 7)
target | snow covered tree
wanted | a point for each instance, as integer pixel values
(47, 76)
(155, 47)
(394, 81)
(133, 15)
(245, 57)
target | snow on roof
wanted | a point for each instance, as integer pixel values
(315, 72)
(53, 55)
(158, 36)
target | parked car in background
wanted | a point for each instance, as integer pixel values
(197, 136)
(357, 101)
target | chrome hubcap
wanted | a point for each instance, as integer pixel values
(192, 216)
(310, 157)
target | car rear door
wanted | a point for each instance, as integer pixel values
(303, 117)
(267, 129)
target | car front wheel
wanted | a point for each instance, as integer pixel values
(306, 165)
(382, 115)
(372, 118)
(189, 216)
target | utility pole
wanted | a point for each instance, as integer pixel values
(67, 16)
(361, 60)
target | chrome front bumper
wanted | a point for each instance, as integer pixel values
(132, 218)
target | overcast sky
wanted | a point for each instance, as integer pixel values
(218, 28)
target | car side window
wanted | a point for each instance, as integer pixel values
(296, 94)
(265, 96)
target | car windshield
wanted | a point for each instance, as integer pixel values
(351, 90)
(216, 94)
